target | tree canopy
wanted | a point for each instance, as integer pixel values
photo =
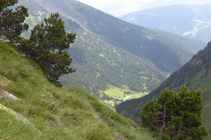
(175, 116)
(48, 45)
(11, 21)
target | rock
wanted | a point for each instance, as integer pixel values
(8, 96)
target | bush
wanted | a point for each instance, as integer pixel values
(175, 116)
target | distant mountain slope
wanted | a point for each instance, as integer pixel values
(109, 65)
(109, 51)
(193, 21)
(139, 41)
(196, 74)
(184, 41)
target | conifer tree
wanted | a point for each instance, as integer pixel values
(48, 45)
(175, 116)
(11, 21)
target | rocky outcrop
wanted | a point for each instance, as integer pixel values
(7, 96)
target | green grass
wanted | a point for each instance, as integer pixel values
(115, 92)
(9, 122)
(55, 112)
(119, 92)
(118, 95)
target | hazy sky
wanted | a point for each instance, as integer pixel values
(120, 7)
(116, 7)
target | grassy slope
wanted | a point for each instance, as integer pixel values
(58, 113)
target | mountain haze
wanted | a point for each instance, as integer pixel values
(111, 52)
(193, 21)
(118, 7)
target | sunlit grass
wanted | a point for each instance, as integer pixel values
(56, 113)
(115, 92)
(119, 95)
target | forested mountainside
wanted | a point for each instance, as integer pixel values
(196, 74)
(44, 111)
(109, 52)
(193, 21)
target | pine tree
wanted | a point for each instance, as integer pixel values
(175, 116)
(48, 45)
(11, 21)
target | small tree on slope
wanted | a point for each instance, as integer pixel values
(11, 21)
(175, 116)
(48, 47)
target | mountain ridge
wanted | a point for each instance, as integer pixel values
(75, 16)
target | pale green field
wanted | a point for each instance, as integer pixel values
(115, 92)
(119, 93)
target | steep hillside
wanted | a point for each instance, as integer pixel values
(196, 74)
(109, 52)
(193, 21)
(51, 112)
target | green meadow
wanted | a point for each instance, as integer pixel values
(119, 95)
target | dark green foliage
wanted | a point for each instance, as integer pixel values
(11, 21)
(175, 116)
(48, 47)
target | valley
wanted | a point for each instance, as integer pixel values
(109, 51)
(119, 66)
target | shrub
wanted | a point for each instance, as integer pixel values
(175, 116)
